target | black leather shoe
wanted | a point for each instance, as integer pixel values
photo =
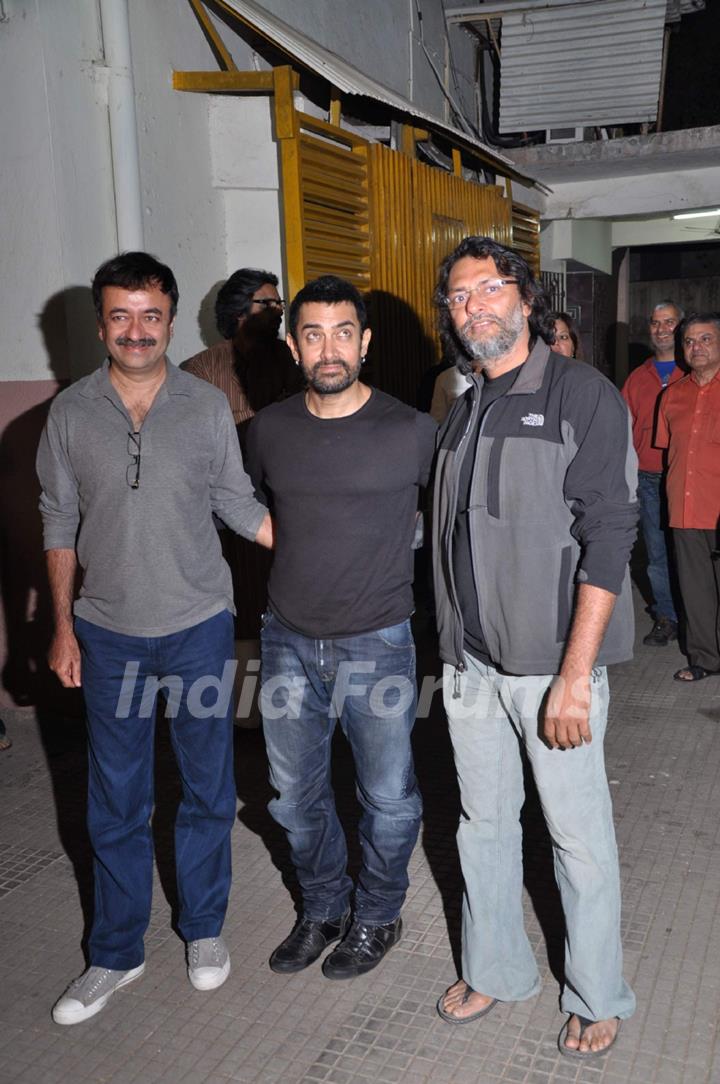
(362, 949)
(307, 941)
(663, 631)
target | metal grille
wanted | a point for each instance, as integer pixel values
(553, 283)
(335, 211)
(526, 235)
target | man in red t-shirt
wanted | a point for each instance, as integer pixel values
(641, 392)
(689, 427)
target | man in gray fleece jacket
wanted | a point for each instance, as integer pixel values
(534, 520)
(133, 463)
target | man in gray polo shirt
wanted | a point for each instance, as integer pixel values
(133, 462)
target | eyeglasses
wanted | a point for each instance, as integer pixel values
(133, 450)
(269, 302)
(487, 289)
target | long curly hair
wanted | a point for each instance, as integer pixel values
(510, 265)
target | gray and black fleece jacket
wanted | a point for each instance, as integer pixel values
(553, 506)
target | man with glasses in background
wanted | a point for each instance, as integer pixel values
(252, 366)
(134, 461)
(534, 520)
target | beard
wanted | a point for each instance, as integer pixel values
(259, 329)
(495, 344)
(661, 346)
(331, 385)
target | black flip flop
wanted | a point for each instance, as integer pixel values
(583, 1055)
(450, 1019)
(698, 673)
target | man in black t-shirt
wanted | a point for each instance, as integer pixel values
(340, 466)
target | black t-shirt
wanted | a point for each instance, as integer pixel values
(474, 640)
(343, 493)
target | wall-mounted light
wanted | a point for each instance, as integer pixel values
(698, 214)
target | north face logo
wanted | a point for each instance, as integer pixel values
(533, 419)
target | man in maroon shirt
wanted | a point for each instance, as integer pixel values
(689, 427)
(641, 392)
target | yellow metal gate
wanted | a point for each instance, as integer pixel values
(384, 221)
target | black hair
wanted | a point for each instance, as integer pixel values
(134, 271)
(510, 265)
(327, 290)
(235, 297)
(572, 331)
(699, 318)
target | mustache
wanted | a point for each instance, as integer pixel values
(125, 340)
(476, 319)
(331, 361)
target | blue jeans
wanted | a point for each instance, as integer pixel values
(366, 682)
(120, 708)
(651, 497)
(494, 718)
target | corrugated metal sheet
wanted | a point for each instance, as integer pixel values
(334, 211)
(587, 64)
(526, 234)
(418, 215)
(348, 79)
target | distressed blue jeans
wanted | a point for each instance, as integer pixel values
(494, 718)
(120, 710)
(651, 498)
(367, 684)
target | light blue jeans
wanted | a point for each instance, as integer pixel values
(492, 720)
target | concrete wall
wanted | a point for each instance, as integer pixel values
(589, 241)
(640, 194)
(245, 173)
(57, 201)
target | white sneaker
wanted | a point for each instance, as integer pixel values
(208, 963)
(90, 993)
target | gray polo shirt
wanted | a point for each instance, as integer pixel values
(150, 556)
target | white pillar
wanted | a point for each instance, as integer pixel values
(115, 20)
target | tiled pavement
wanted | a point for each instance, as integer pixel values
(663, 753)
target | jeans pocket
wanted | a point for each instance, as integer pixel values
(399, 636)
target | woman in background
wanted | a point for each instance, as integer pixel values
(567, 341)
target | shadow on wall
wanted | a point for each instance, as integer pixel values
(23, 578)
(401, 350)
(206, 316)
